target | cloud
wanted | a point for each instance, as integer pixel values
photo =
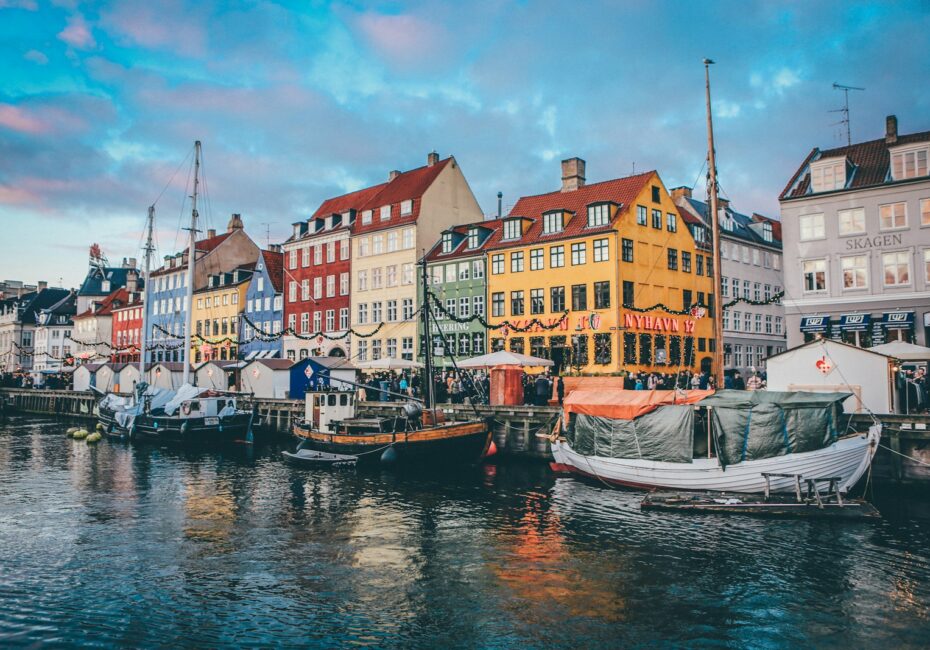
(165, 25)
(77, 34)
(29, 5)
(405, 40)
(16, 119)
(36, 57)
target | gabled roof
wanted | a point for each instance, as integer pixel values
(274, 364)
(825, 342)
(204, 246)
(274, 265)
(118, 298)
(621, 191)
(93, 282)
(743, 224)
(409, 185)
(351, 201)
(460, 247)
(870, 161)
(64, 307)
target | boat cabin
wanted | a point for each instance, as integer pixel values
(208, 406)
(324, 407)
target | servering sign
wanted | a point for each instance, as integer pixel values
(855, 322)
(815, 324)
(898, 319)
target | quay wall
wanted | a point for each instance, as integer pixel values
(906, 460)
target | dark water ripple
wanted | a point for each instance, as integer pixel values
(146, 547)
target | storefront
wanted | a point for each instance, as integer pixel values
(855, 329)
(862, 330)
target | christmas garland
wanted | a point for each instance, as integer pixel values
(534, 324)
(700, 305)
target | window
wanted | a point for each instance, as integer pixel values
(627, 250)
(376, 278)
(390, 273)
(516, 303)
(450, 307)
(477, 305)
(745, 289)
(536, 259)
(579, 253)
(376, 312)
(811, 226)
(477, 343)
(686, 261)
(330, 286)
(757, 291)
(343, 284)
(829, 176)
(464, 307)
(598, 215)
(305, 256)
(768, 324)
(755, 256)
(291, 259)
(407, 308)
(512, 229)
(814, 274)
(656, 196)
(344, 318)
(377, 245)
(318, 254)
(497, 303)
(852, 222)
(778, 324)
(330, 320)
(556, 257)
(602, 295)
(557, 300)
(925, 212)
(362, 313)
(497, 264)
(363, 246)
(385, 212)
(747, 322)
(292, 291)
(391, 348)
(392, 311)
(909, 164)
(331, 252)
(657, 219)
(601, 250)
(897, 267)
(892, 215)
(516, 262)
(673, 259)
(363, 344)
(344, 249)
(317, 288)
(758, 323)
(641, 215)
(602, 348)
(671, 222)
(477, 269)
(406, 348)
(407, 271)
(553, 222)
(767, 231)
(855, 272)
(473, 238)
(317, 321)
(726, 319)
(363, 280)
(406, 207)
(391, 242)
(537, 301)
(580, 350)
(699, 264)
(447, 242)
(375, 350)
(579, 297)
(629, 294)
(686, 298)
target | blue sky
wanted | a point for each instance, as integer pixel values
(295, 102)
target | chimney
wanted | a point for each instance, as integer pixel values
(682, 192)
(132, 282)
(235, 222)
(500, 199)
(891, 129)
(723, 203)
(132, 263)
(42, 285)
(211, 233)
(432, 158)
(572, 174)
(394, 173)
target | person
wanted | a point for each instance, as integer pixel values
(702, 380)
(652, 381)
(402, 385)
(754, 382)
(728, 380)
(543, 390)
(639, 384)
(738, 382)
(528, 391)
(695, 381)
(560, 390)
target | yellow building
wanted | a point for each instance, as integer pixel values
(216, 316)
(604, 253)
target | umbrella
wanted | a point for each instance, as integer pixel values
(388, 363)
(504, 358)
(903, 351)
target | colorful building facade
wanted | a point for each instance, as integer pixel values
(264, 308)
(126, 338)
(216, 315)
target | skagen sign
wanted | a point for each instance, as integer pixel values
(879, 241)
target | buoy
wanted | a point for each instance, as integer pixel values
(94, 437)
(389, 457)
(80, 434)
(99, 427)
(72, 430)
(492, 449)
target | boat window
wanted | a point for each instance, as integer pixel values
(195, 406)
(332, 400)
(343, 400)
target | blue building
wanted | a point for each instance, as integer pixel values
(264, 306)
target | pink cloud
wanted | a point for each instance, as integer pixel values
(16, 119)
(405, 39)
(77, 33)
(29, 5)
(36, 57)
(16, 196)
(164, 25)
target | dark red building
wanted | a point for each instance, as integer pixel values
(127, 330)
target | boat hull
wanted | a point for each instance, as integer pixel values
(848, 458)
(179, 430)
(452, 443)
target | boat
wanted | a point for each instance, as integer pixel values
(311, 458)
(189, 414)
(418, 437)
(772, 506)
(646, 440)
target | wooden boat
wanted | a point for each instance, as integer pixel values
(320, 459)
(757, 505)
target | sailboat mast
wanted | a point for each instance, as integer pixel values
(191, 257)
(427, 382)
(146, 270)
(715, 228)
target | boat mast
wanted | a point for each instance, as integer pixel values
(715, 228)
(427, 382)
(146, 271)
(191, 255)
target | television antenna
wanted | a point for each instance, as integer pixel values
(267, 234)
(845, 109)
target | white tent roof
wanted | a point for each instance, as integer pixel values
(903, 351)
(504, 358)
(388, 363)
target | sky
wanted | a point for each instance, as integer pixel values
(100, 104)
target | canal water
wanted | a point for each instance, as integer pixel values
(119, 545)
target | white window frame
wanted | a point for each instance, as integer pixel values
(553, 222)
(891, 207)
(846, 265)
(512, 229)
(804, 272)
(811, 227)
(850, 217)
(906, 256)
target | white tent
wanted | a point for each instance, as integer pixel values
(903, 351)
(215, 374)
(128, 377)
(84, 376)
(268, 378)
(166, 374)
(387, 363)
(107, 377)
(504, 358)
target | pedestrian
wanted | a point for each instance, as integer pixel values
(639, 384)
(543, 390)
(695, 381)
(754, 382)
(560, 390)
(738, 382)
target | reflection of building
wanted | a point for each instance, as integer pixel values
(856, 224)
(604, 253)
(750, 260)
(264, 306)
(456, 266)
(217, 310)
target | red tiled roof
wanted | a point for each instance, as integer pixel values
(350, 201)
(107, 304)
(207, 245)
(622, 191)
(461, 249)
(776, 224)
(688, 217)
(871, 160)
(407, 185)
(274, 264)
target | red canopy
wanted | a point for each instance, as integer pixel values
(627, 404)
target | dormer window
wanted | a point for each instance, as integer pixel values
(908, 164)
(512, 229)
(447, 242)
(598, 214)
(406, 207)
(105, 286)
(767, 231)
(385, 212)
(553, 222)
(828, 175)
(296, 230)
(366, 217)
(473, 237)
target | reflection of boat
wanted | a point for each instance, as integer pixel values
(646, 440)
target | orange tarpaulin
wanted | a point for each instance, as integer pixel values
(627, 404)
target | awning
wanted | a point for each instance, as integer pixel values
(815, 324)
(855, 322)
(627, 404)
(251, 355)
(896, 320)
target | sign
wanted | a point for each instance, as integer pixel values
(824, 365)
(815, 324)
(878, 241)
(898, 320)
(855, 322)
(657, 323)
(308, 371)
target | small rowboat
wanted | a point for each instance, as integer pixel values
(311, 458)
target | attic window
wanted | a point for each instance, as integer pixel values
(385, 212)
(512, 229)
(366, 217)
(767, 231)
(598, 215)
(297, 230)
(406, 207)
(908, 164)
(473, 237)
(447, 242)
(553, 222)
(828, 176)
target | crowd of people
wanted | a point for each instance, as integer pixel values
(449, 386)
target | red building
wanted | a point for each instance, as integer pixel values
(317, 267)
(127, 330)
